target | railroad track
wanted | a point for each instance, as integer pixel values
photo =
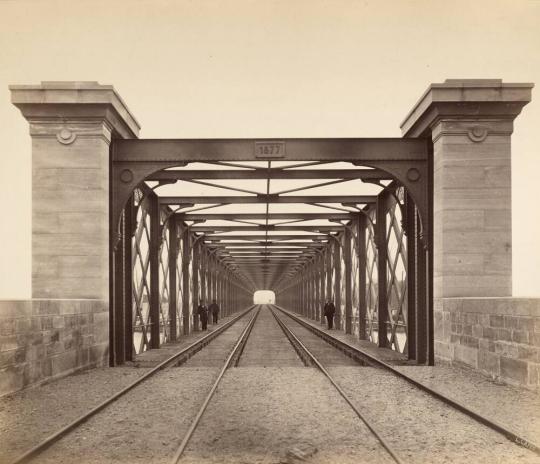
(312, 355)
(176, 359)
(367, 359)
(308, 359)
(311, 359)
(232, 360)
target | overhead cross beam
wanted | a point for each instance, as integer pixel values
(261, 238)
(327, 149)
(207, 200)
(262, 244)
(273, 173)
(270, 227)
(262, 216)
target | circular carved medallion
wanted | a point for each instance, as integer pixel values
(126, 176)
(413, 174)
(65, 136)
(477, 133)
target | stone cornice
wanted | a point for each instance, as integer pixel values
(477, 130)
(470, 99)
(72, 101)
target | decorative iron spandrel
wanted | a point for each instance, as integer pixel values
(372, 289)
(164, 323)
(141, 274)
(396, 274)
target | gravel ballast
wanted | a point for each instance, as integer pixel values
(29, 416)
(517, 408)
(271, 409)
(270, 415)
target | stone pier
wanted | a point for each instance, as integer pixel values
(470, 123)
(65, 326)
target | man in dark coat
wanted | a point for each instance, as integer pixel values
(329, 311)
(202, 311)
(214, 310)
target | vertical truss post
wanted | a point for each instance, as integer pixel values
(213, 275)
(224, 278)
(215, 278)
(310, 291)
(186, 258)
(229, 296)
(299, 296)
(307, 289)
(233, 296)
(196, 290)
(412, 255)
(305, 293)
(382, 253)
(130, 225)
(348, 276)
(361, 224)
(155, 239)
(173, 291)
(315, 289)
(422, 312)
(300, 293)
(219, 276)
(116, 326)
(328, 254)
(322, 285)
(210, 274)
(121, 324)
(337, 284)
(203, 277)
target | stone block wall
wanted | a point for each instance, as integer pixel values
(499, 337)
(43, 339)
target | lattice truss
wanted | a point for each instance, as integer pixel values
(344, 277)
(331, 257)
(164, 322)
(180, 269)
(372, 286)
(191, 295)
(355, 282)
(141, 274)
(396, 274)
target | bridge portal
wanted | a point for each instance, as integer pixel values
(416, 254)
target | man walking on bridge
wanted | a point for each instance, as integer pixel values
(214, 310)
(329, 311)
(202, 311)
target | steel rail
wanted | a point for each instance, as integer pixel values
(187, 351)
(238, 345)
(373, 361)
(292, 336)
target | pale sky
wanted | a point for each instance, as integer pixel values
(194, 69)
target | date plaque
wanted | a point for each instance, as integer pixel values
(270, 149)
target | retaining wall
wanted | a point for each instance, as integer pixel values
(498, 336)
(43, 339)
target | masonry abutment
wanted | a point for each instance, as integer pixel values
(71, 126)
(470, 123)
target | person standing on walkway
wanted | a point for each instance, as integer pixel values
(329, 311)
(202, 311)
(214, 310)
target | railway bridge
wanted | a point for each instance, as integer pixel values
(409, 238)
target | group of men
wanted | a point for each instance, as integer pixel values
(204, 311)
